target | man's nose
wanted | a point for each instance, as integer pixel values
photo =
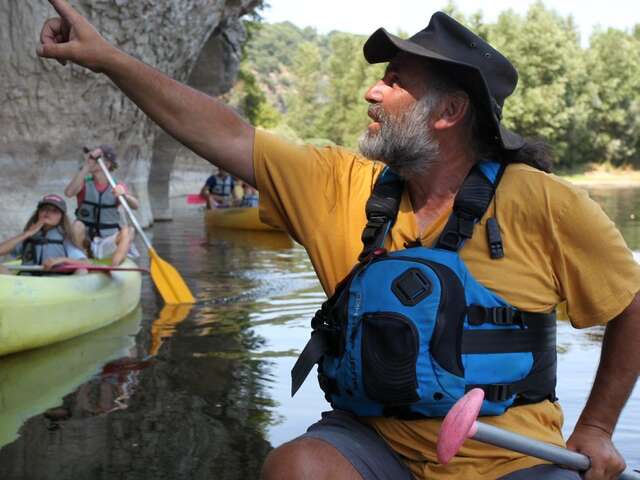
(375, 92)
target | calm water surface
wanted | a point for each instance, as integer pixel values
(203, 392)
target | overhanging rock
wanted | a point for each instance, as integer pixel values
(49, 111)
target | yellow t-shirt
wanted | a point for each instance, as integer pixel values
(559, 246)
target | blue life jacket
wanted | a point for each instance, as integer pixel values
(223, 187)
(43, 245)
(408, 333)
(250, 200)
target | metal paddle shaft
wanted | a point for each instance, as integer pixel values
(461, 423)
(123, 202)
(519, 443)
(535, 448)
(168, 281)
(70, 267)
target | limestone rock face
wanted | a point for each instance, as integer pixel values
(49, 112)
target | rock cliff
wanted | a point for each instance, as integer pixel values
(48, 112)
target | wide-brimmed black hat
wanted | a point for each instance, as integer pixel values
(484, 73)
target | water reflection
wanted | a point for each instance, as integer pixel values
(623, 206)
(33, 381)
(191, 399)
(205, 392)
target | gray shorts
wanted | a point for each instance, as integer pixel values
(375, 460)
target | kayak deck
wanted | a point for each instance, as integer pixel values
(37, 311)
(240, 218)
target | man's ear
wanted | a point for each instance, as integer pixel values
(452, 111)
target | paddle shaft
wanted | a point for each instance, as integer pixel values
(552, 453)
(25, 268)
(123, 202)
(65, 267)
(170, 284)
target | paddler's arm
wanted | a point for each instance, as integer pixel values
(617, 374)
(203, 124)
(9, 245)
(121, 191)
(76, 184)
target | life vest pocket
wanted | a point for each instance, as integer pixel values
(390, 347)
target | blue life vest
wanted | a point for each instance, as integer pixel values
(250, 200)
(43, 245)
(408, 333)
(223, 187)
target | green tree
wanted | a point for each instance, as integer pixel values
(344, 116)
(545, 49)
(613, 63)
(583, 102)
(253, 102)
(306, 97)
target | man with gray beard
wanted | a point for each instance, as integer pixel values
(405, 143)
(469, 245)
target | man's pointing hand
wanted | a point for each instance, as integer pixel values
(70, 37)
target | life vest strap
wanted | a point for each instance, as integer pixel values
(509, 341)
(45, 241)
(381, 210)
(532, 389)
(316, 347)
(469, 207)
(101, 226)
(478, 315)
(100, 205)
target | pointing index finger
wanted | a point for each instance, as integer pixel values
(65, 10)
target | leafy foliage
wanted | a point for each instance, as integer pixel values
(584, 102)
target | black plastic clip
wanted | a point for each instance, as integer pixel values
(496, 250)
(497, 392)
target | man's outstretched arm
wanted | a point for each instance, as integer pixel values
(617, 374)
(201, 123)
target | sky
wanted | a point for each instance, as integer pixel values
(365, 16)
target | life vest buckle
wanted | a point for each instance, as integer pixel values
(477, 315)
(502, 315)
(498, 392)
(451, 241)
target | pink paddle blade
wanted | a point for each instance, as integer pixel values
(459, 424)
(195, 199)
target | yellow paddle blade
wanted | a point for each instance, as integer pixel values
(168, 281)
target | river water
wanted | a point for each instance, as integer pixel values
(204, 392)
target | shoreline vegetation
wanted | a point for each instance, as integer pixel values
(601, 176)
(584, 101)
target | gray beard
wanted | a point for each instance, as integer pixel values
(406, 142)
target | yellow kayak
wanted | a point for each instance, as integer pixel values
(33, 381)
(240, 218)
(265, 239)
(37, 311)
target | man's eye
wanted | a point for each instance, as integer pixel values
(392, 79)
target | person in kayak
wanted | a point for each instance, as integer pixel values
(46, 239)
(218, 190)
(435, 117)
(99, 225)
(250, 196)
